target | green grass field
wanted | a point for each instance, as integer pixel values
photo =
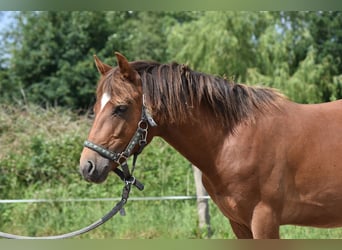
(39, 153)
(143, 220)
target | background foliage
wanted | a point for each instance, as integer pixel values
(51, 53)
(47, 85)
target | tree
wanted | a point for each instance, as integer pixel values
(291, 58)
(220, 43)
(296, 52)
(51, 56)
(52, 52)
(143, 35)
(326, 30)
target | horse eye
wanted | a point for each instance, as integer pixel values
(120, 109)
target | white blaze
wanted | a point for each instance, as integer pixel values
(105, 98)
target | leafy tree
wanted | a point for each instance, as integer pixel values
(219, 42)
(297, 52)
(51, 52)
(326, 30)
(52, 55)
(291, 58)
(143, 35)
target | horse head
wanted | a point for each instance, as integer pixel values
(118, 113)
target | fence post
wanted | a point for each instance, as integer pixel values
(202, 203)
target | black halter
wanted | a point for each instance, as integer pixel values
(139, 138)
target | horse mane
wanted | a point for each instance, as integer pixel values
(171, 90)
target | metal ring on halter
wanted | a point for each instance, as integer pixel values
(143, 125)
(122, 158)
(130, 181)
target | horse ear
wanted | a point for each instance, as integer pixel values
(101, 67)
(125, 68)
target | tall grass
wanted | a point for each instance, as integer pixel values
(39, 154)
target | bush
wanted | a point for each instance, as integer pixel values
(39, 146)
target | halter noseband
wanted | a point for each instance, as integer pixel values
(139, 138)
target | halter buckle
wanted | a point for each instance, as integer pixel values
(122, 159)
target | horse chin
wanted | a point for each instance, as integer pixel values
(97, 176)
(98, 179)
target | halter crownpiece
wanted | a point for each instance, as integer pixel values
(146, 114)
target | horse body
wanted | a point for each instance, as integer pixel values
(313, 164)
(284, 167)
(279, 166)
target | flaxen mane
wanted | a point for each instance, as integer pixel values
(172, 88)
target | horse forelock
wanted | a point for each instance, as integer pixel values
(112, 88)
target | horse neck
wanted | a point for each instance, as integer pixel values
(198, 140)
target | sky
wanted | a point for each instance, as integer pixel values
(5, 22)
(5, 19)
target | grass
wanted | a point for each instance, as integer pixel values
(39, 153)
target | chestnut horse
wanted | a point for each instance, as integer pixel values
(266, 161)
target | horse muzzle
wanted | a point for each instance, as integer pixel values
(95, 169)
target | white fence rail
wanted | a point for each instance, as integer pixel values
(150, 198)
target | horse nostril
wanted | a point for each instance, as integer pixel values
(89, 169)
